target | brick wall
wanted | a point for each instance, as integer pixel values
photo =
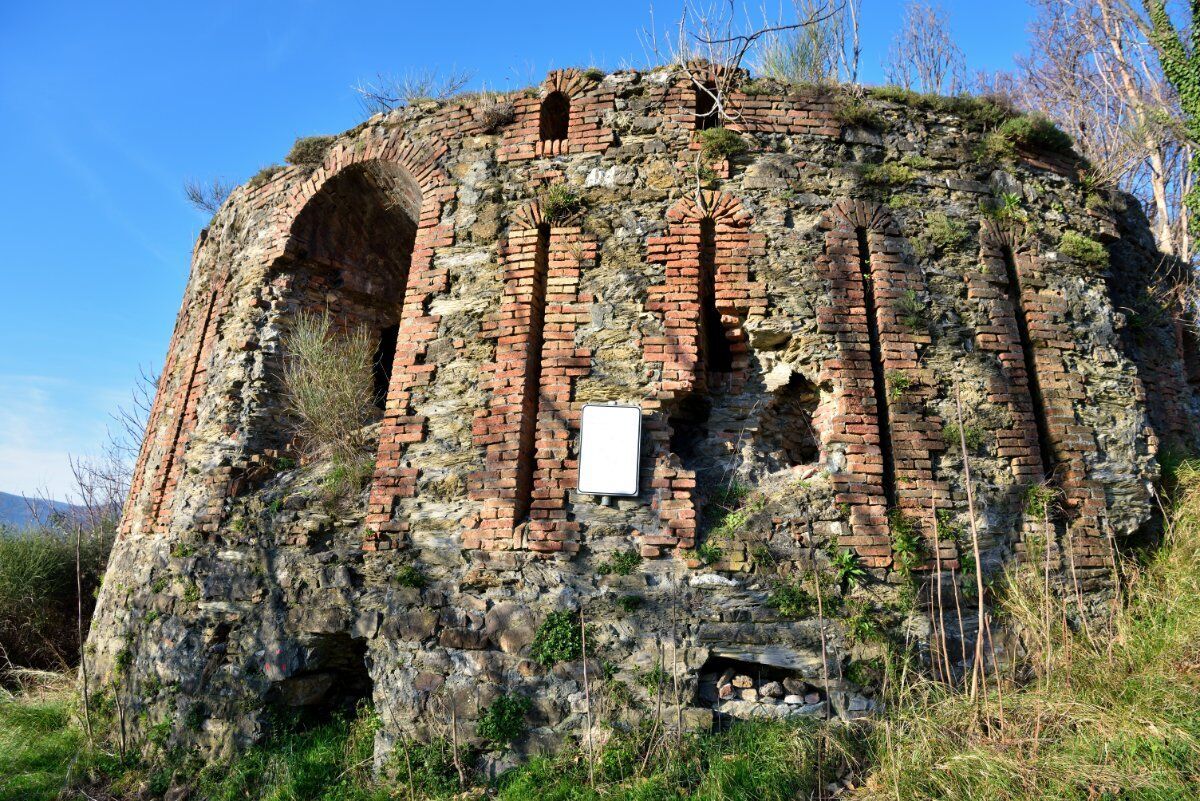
(528, 429)
(680, 307)
(884, 432)
(586, 132)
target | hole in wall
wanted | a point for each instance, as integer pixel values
(555, 118)
(737, 690)
(716, 355)
(888, 479)
(531, 389)
(381, 365)
(335, 679)
(706, 107)
(786, 435)
(689, 429)
(1031, 374)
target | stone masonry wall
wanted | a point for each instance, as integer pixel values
(800, 325)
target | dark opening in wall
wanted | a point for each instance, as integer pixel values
(1027, 354)
(555, 118)
(734, 688)
(689, 429)
(1189, 346)
(535, 313)
(334, 680)
(785, 431)
(350, 253)
(715, 354)
(877, 373)
(381, 366)
(706, 107)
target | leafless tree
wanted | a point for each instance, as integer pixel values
(826, 50)
(1093, 69)
(388, 92)
(207, 197)
(924, 56)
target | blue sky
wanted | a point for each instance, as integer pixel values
(107, 108)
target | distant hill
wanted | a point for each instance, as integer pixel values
(19, 512)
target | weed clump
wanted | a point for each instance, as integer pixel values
(504, 720)
(1085, 250)
(721, 143)
(621, 563)
(792, 600)
(310, 150)
(560, 202)
(557, 639)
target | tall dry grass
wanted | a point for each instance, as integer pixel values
(1111, 710)
(328, 386)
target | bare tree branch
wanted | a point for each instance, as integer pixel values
(388, 92)
(207, 197)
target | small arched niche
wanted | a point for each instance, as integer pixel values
(350, 253)
(555, 119)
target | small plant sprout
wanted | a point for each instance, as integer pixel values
(847, 567)
(908, 551)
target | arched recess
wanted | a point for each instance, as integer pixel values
(879, 440)
(360, 244)
(525, 432)
(706, 298)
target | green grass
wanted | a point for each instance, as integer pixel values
(37, 743)
(1103, 711)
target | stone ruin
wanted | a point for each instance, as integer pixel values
(797, 323)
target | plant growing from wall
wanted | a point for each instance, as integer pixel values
(888, 173)
(1039, 500)
(310, 150)
(790, 598)
(621, 563)
(328, 386)
(559, 202)
(504, 720)
(944, 233)
(717, 144)
(971, 433)
(412, 576)
(1084, 250)
(911, 310)
(908, 550)
(557, 639)
(847, 567)
(898, 383)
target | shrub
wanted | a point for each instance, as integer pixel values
(888, 173)
(944, 233)
(265, 174)
(791, 599)
(856, 113)
(721, 143)
(207, 197)
(309, 150)
(328, 386)
(1084, 250)
(908, 550)
(847, 567)
(971, 433)
(504, 720)
(557, 639)
(38, 595)
(1035, 132)
(559, 202)
(621, 563)
(412, 576)
(594, 74)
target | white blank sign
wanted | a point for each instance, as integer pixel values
(610, 440)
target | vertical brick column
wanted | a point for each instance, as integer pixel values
(526, 431)
(678, 304)
(586, 132)
(1070, 442)
(394, 478)
(855, 424)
